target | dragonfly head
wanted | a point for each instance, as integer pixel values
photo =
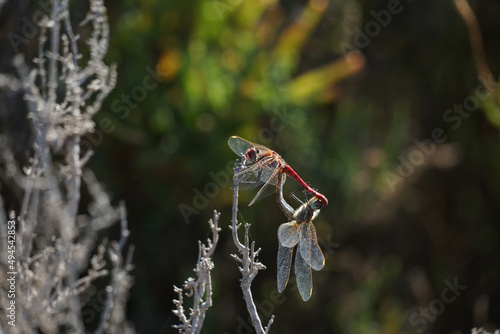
(252, 154)
(317, 203)
(255, 154)
(320, 201)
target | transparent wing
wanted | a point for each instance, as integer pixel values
(283, 267)
(265, 172)
(268, 188)
(309, 248)
(288, 234)
(304, 277)
(241, 146)
(254, 174)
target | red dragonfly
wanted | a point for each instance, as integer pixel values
(262, 166)
(298, 231)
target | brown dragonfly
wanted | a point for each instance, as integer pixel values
(300, 232)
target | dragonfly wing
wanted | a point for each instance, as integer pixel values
(256, 174)
(304, 277)
(288, 234)
(249, 178)
(266, 190)
(309, 247)
(241, 146)
(284, 264)
(269, 187)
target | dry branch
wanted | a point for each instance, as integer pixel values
(249, 266)
(200, 289)
(55, 241)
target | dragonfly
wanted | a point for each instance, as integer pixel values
(261, 166)
(300, 232)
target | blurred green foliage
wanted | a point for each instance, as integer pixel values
(275, 73)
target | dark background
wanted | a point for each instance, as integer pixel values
(404, 221)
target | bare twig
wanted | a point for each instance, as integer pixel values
(199, 288)
(249, 265)
(120, 277)
(54, 238)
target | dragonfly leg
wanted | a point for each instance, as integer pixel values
(305, 192)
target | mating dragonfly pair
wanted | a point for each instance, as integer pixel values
(262, 166)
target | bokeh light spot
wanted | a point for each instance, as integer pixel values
(205, 122)
(197, 48)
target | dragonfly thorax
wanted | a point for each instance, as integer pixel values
(255, 154)
(307, 211)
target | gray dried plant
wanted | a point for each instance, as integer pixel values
(200, 289)
(56, 261)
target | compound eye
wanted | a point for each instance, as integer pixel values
(252, 155)
(318, 204)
